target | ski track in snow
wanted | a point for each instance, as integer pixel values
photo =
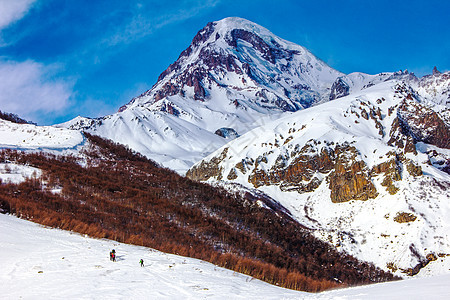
(43, 263)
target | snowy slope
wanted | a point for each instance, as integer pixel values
(374, 145)
(74, 266)
(235, 74)
(42, 263)
(28, 136)
(15, 173)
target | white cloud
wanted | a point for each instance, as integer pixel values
(28, 89)
(13, 10)
(142, 24)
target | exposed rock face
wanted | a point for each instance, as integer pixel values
(168, 89)
(391, 171)
(268, 52)
(339, 89)
(404, 217)
(209, 169)
(170, 108)
(350, 179)
(297, 175)
(424, 124)
(228, 133)
(435, 71)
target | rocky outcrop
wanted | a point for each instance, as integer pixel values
(170, 108)
(391, 171)
(424, 124)
(350, 179)
(412, 168)
(208, 169)
(423, 261)
(404, 217)
(400, 136)
(228, 133)
(168, 89)
(297, 175)
(436, 71)
(339, 89)
(347, 176)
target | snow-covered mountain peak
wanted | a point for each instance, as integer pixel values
(238, 54)
(234, 76)
(226, 26)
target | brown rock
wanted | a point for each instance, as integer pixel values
(208, 169)
(403, 217)
(391, 171)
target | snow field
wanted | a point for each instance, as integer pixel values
(29, 136)
(43, 263)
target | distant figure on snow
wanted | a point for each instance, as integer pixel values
(112, 255)
(141, 262)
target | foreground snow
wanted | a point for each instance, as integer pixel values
(45, 263)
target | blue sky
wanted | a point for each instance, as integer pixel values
(63, 58)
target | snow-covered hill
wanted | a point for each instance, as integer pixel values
(368, 172)
(32, 137)
(42, 263)
(235, 75)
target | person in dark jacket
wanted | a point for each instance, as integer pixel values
(112, 255)
(141, 262)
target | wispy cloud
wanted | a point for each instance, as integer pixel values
(41, 92)
(29, 88)
(13, 10)
(143, 23)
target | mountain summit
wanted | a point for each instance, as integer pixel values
(233, 76)
(262, 69)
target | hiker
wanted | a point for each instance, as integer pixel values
(141, 262)
(112, 255)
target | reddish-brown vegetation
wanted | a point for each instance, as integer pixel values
(117, 194)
